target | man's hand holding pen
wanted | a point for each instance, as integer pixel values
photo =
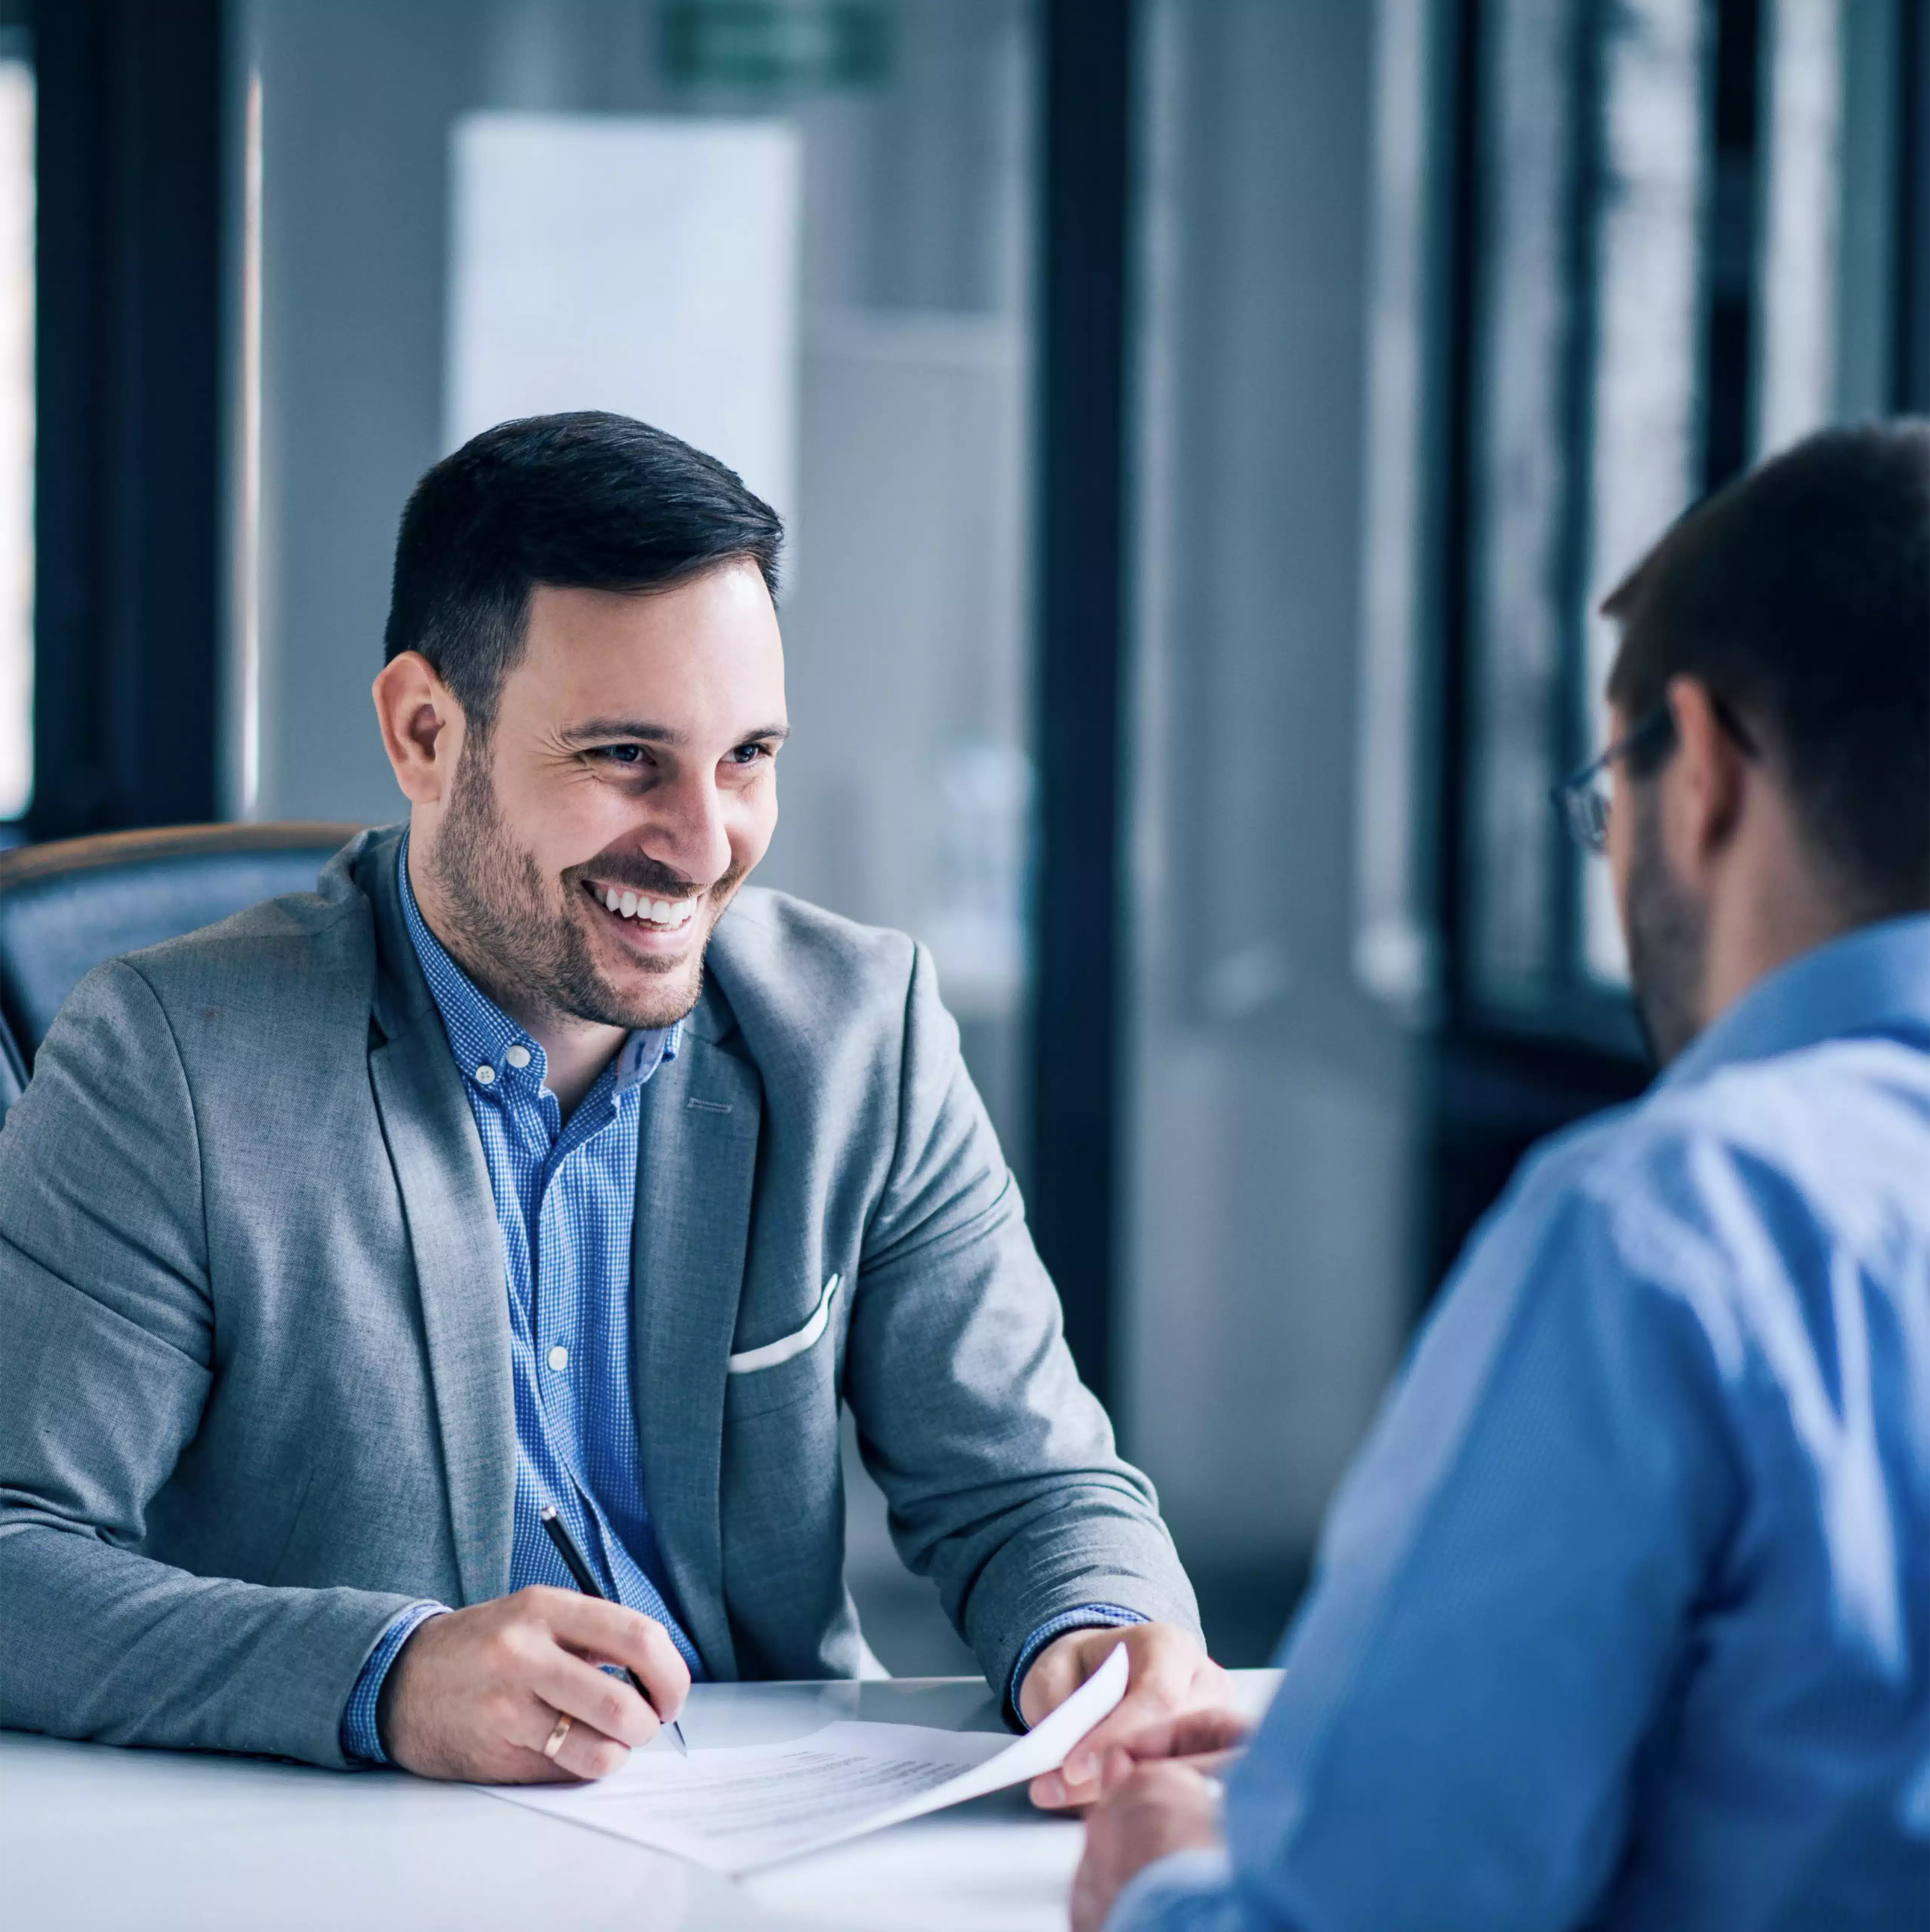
(478, 1693)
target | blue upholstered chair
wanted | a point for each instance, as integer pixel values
(67, 905)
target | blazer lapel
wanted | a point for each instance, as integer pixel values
(457, 1248)
(696, 1166)
(458, 1253)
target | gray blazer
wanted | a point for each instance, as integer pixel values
(254, 1346)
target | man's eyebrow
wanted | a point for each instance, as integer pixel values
(623, 727)
(596, 730)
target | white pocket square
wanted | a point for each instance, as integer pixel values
(785, 1346)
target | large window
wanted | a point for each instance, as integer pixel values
(1448, 308)
(1684, 246)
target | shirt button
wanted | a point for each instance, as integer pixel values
(485, 1075)
(558, 1358)
(517, 1056)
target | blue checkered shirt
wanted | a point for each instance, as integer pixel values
(565, 1196)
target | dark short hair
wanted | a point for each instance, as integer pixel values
(1800, 595)
(584, 501)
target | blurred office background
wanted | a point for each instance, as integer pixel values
(1205, 427)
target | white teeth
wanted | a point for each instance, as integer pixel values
(667, 913)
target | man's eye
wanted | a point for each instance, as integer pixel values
(620, 755)
(748, 755)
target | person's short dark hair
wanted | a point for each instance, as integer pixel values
(583, 501)
(1800, 595)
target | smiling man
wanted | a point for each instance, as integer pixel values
(533, 1168)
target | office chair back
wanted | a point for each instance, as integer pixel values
(67, 905)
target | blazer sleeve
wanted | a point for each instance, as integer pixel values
(110, 1350)
(997, 1461)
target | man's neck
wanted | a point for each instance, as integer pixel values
(1789, 907)
(575, 1054)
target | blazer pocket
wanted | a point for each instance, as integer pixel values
(754, 1361)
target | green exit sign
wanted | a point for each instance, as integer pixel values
(778, 45)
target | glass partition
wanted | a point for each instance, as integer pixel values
(1269, 1154)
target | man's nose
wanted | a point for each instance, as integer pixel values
(685, 830)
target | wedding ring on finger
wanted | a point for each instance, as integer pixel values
(554, 1742)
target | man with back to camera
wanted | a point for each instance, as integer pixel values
(1622, 1617)
(339, 1240)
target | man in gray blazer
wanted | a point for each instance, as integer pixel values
(343, 1243)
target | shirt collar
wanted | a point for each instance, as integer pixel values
(1876, 979)
(482, 1036)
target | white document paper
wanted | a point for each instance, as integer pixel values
(740, 1808)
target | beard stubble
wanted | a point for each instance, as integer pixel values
(522, 946)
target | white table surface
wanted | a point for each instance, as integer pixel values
(92, 1837)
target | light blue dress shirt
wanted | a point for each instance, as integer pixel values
(1622, 1617)
(565, 1195)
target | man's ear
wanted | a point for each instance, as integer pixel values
(1702, 784)
(421, 726)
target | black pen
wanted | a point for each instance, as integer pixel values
(586, 1582)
